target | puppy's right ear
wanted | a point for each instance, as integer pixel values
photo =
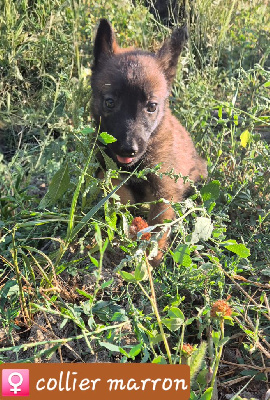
(105, 43)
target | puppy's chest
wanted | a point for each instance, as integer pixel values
(141, 189)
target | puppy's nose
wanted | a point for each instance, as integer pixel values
(129, 151)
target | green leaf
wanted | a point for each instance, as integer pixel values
(83, 293)
(215, 336)
(58, 186)
(172, 323)
(210, 191)
(190, 320)
(135, 350)
(245, 138)
(266, 271)
(220, 112)
(110, 346)
(224, 341)
(181, 255)
(94, 261)
(127, 276)
(175, 312)
(9, 289)
(119, 316)
(141, 272)
(229, 320)
(109, 163)
(196, 360)
(105, 138)
(122, 351)
(249, 372)
(240, 249)
(111, 219)
(207, 394)
(86, 131)
(203, 229)
(159, 360)
(193, 396)
(106, 284)
(74, 231)
(107, 311)
(156, 339)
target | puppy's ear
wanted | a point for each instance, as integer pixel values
(105, 43)
(170, 50)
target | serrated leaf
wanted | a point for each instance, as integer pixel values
(58, 186)
(245, 138)
(181, 255)
(203, 229)
(210, 191)
(109, 163)
(119, 317)
(105, 138)
(240, 249)
(106, 310)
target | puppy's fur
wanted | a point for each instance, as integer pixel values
(130, 90)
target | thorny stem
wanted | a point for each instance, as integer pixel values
(65, 340)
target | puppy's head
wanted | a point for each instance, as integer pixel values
(130, 88)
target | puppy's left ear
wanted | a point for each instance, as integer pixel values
(169, 52)
(105, 43)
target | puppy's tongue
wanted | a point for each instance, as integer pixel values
(124, 160)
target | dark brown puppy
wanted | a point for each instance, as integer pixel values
(130, 101)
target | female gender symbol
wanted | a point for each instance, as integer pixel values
(13, 384)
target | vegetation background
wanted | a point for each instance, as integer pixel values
(74, 287)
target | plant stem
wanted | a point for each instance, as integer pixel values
(155, 308)
(218, 358)
(18, 277)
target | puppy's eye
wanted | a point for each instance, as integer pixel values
(109, 103)
(151, 107)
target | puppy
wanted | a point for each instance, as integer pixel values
(130, 90)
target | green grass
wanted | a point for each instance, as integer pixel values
(61, 270)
